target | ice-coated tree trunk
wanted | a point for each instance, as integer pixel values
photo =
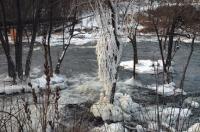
(108, 53)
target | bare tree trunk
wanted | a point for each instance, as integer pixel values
(187, 63)
(170, 45)
(11, 65)
(135, 55)
(160, 47)
(18, 43)
(71, 34)
(34, 33)
(5, 44)
(49, 37)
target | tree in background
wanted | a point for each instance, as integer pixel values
(166, 21)
(28, 17)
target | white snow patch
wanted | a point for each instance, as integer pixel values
(55, 81)
(144, 66)
(166, 89)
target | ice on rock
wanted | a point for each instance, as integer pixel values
(194, 104)
(114, 127)
(191, 103)
(194, 128)
(125, 102)
(107, 111)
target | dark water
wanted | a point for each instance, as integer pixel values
(82, 60)
(150, 50)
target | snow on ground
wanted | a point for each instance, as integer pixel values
(143, 66)
(166, 89)
(57, 81)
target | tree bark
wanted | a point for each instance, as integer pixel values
(34, 33)
(49, 38)
(5, 44)
(18, 43)
(11, 65)
(58, 65)
(170, 44)
(187, 63)
(135, 55)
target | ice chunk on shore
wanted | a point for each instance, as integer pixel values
(166, 89)
(125, 102)
(191, 103)
(143, 66)
(55, 81)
